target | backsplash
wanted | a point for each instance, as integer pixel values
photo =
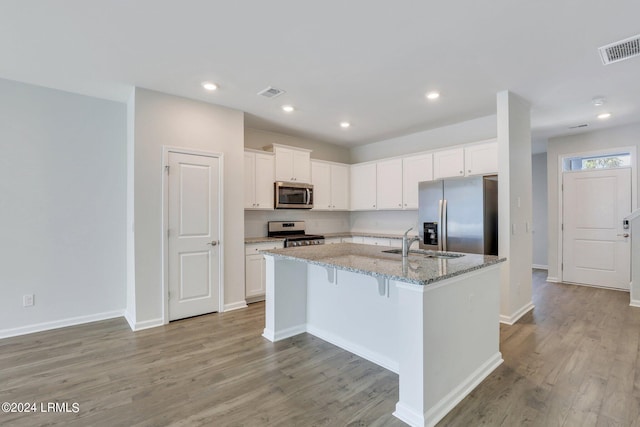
(317, 222)
(385, 222)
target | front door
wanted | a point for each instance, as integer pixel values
(596, 248)
(194, 230)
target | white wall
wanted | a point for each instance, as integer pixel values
(622, 136)
(539, 195)
(258, 139)
(166, 120)
(63, 209)
(514, 205)
(459, 133)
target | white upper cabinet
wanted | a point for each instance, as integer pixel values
(481, 159)
(363, 186)
(292, 164)
(340, 186)
(448, 163)
(389, 184)
(330, 185)
(321, 180)
(258, 180)
(415, 169)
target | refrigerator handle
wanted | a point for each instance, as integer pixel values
(440, 224)
(445, 226)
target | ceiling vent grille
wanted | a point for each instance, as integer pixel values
(619, 51)
(271, 92)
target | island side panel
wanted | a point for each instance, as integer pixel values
(451, 333)
(354, 311)
(286, 298)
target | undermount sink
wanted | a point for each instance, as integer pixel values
(426, 254)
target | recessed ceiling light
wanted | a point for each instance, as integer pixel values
(209, 86)
(345, 125)
(288, 108)
(604, 115)
(433, 95)
(598, 101)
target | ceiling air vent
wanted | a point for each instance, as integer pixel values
(271, 92)
(619, 51)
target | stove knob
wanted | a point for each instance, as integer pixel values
(294, 244)
(306, 242)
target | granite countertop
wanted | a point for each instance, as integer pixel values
(249, 240)
(371, 260)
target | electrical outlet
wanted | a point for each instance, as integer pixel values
(27, 300)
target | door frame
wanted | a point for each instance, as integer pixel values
(593, 153)
(166, 150)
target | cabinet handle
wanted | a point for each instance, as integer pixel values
(469, 170)
(461, 172)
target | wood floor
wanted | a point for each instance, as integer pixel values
(573, 361)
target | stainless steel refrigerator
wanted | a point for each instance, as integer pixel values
(459, 215)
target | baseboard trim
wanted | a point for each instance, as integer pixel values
(510, 320)
(436, 413)
(148, 324)
(130, 320)
(285, 333)
(365, 353)
(540, 266)
(235, 305)
(72, 321)
(552, 279)
(635, 303)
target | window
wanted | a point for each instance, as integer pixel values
(598, 162)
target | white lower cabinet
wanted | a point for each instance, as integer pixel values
(254, 270)
(378, 241)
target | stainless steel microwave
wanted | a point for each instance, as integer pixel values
(293, 195)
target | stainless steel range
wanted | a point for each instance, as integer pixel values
(294, 233)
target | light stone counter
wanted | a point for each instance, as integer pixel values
(251, 240)
(371, 260)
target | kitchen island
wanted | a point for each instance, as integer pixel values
(433, 320)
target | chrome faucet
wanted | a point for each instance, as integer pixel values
(406, 242)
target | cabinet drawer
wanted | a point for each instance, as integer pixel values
(254, 248)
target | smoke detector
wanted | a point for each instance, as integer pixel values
(621, 50)
(271, 92)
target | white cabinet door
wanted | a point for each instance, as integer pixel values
(292, 165)
(264, 178)
(340, 187)
(254, 275)
(284, 164)
(389, 184)
(321, 180)
(254, 268)
(249, 180)
(258, 180)
(448, 163)
(363, 187)
(415, 169)
(481, 159)
(301, 166)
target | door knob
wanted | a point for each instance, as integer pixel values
(213, 243)
(624, 234)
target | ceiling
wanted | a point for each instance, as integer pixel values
(369, 63)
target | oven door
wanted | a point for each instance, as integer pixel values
(291, 195)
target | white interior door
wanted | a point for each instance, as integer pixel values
(193, 244)
(596, 249)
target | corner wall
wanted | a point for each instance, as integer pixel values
(540, 210)
(166, 120)
(63, 208)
